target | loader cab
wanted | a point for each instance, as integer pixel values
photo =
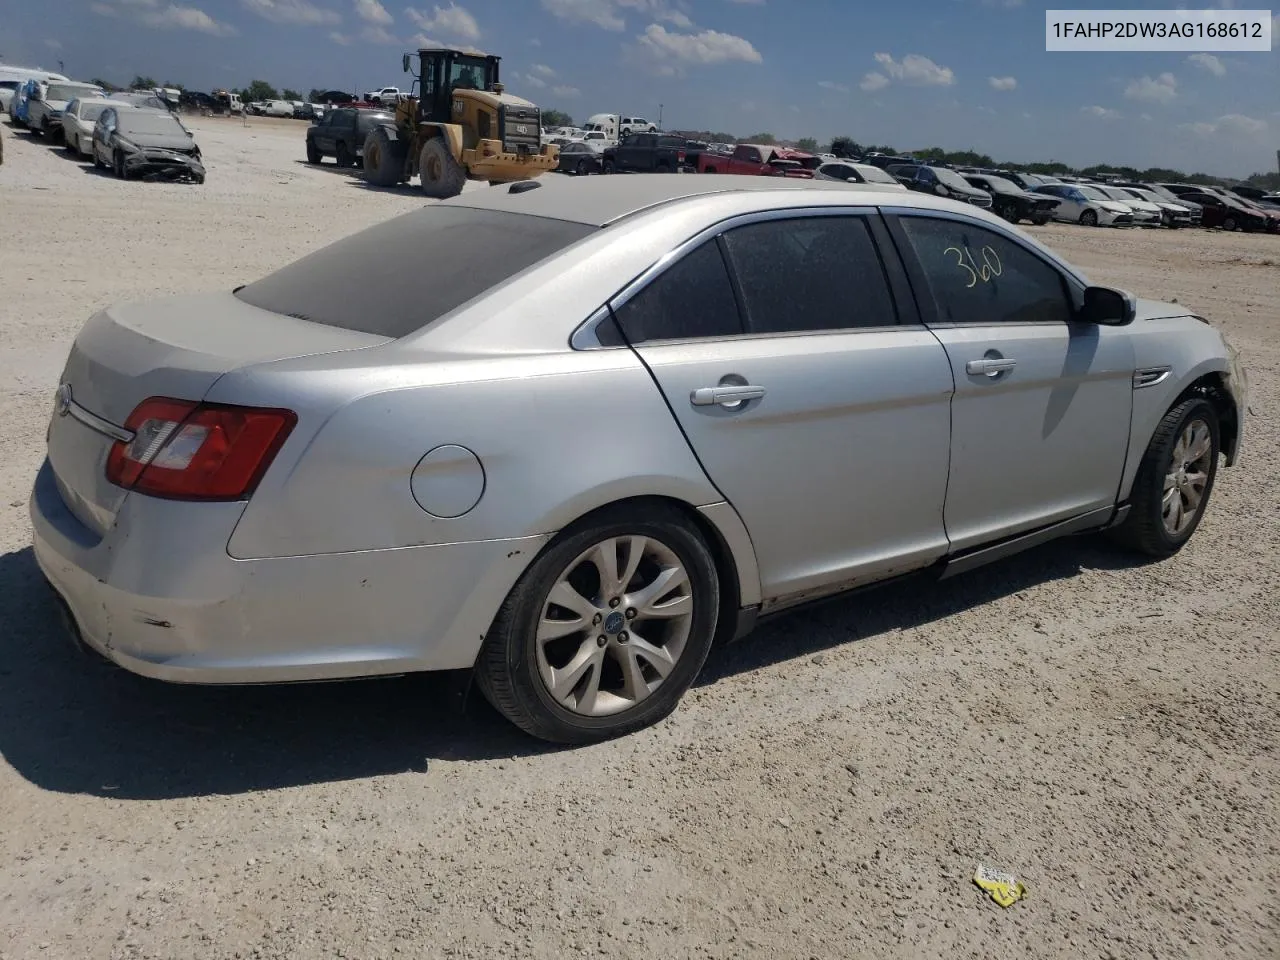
(441, 72)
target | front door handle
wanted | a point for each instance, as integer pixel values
(726, 396)
(989, 367)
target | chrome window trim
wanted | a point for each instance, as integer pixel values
(585, 338)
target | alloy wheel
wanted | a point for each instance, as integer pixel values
(614, 625)
(1187, 478)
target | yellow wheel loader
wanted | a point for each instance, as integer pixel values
(462, 125)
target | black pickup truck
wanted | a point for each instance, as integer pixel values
(340, 133)
(645, 153)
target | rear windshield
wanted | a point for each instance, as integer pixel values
(398, 276)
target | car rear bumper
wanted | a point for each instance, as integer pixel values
(159, 595)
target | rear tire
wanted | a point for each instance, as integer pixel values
(383, 158)
(118, 162)
(596, 696)
(442, 176)
(1230, 224)
(1039, 221)
(1009, 211)
(583, 168)
(345, 158)
(609, 167)
(1179, 465)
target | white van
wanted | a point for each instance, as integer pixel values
(12, 77)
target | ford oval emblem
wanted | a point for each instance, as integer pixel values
(63, 403)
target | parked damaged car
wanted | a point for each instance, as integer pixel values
(1013, 202)
(146, 144)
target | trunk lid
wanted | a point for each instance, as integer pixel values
(176, 347)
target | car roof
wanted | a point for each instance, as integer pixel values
(600, 201)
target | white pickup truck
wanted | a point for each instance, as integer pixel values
(385, 95)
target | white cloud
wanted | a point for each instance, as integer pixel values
(1102, 113)
(704, 47)
(536, 82)
(174, 17)
(832, 85)
(1241, 125)
(1208, 62)
(543, 69)
(1161, 89)
(1003, 83)
(600, 12)
(291, 11)
(339, 38)
(874, 81)
(452, 21)
(375, 34)
(168, 17)
(53, 44)
(566, 91)
(371, 11)
(916, 70)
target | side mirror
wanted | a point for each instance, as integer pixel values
(1107, 307)
(404, 63)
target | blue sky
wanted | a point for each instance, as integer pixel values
(953, 73)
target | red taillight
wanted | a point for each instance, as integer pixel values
(679, 156)
(196, 451)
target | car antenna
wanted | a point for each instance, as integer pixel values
(523, 186)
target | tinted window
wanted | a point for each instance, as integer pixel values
(810, 273)
(977, 276)
(692, 298)
(398, 276)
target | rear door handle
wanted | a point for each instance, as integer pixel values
(728, 396)
(988, 367)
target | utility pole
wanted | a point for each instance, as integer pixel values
(659, 116)
(61, 68)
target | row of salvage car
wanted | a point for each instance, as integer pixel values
(135, 135)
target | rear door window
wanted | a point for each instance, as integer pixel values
(692, 299)
(807, 274)
(399, 276)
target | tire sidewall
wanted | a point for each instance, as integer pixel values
(521, 643)
(1161, 460)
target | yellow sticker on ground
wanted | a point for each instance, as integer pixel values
(1004, 888)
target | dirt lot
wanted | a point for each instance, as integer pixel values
(1109, 731)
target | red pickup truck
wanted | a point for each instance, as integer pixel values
(758, 160)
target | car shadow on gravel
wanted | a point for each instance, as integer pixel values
(72, 723)
(909, 602)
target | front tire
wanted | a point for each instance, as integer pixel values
(442, 176)
(345, 157)
(1089, 218)
(1009, 211)
(383, 158)
(1230, 224)
(609, 167)
(606, 630)
(313, 153)
(1174, 481)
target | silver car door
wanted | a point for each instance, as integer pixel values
(815, 402)
(1040, 418)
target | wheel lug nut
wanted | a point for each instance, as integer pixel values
(596, 619)
(614, 602)
(623, 637)
(631, 613)
(601, 640)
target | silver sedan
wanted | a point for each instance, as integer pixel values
(570, 433)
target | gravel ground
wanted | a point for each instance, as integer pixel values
(1107, 730)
